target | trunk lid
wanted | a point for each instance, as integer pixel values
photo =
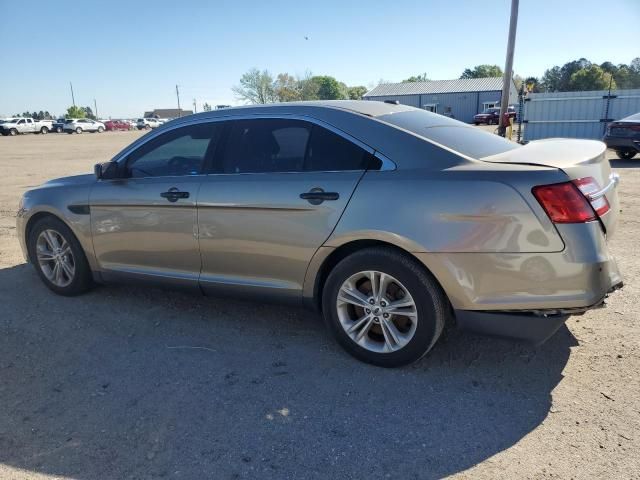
(576, 158)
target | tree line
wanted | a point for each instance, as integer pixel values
(72, 112)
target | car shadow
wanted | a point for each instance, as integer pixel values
(130, 382)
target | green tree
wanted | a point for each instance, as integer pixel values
(75, 112)
(88, 113)
(329, 88)
(256, 87)
(287, 88)
(308, 87)
(206, 107)
(591, 78)
(482, 71)
(416, 78)
(532, 84)
(356, 93)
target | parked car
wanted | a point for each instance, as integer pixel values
(624, 136)
(388, 226)
(58, 125)
(116, 125)
(14, 126)
(79, 125)
(148, 123)
(491, 116)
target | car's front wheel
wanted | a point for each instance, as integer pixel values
(58, 257)
(78, 130)
(626, 154)
(383, 307)
(100, 129)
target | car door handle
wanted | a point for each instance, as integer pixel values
(173, 194)
(316, 196)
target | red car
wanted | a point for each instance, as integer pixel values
(491, 115)
(116, 125)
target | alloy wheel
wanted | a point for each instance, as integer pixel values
(377, 312)
(55, 258)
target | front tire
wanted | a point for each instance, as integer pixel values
(78, 130)
(58, 129)
(383, 307)
(626, 154)
(58, 257)
(100, 129)
(13, 132)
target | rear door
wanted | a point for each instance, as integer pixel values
(144, 224)
(277, 190)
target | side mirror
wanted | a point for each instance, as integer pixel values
(106, 171)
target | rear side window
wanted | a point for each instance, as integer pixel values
(279, 145)
(266, 145)
(329, 152)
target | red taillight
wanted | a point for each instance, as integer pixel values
(572, 202)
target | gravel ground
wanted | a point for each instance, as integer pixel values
(141, 383)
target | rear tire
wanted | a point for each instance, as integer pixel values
(44, 130)
(51, 232)
(370, 331)
(58, 129)
(626, 154)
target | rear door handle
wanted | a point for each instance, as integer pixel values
(316, 196)
(173, 194)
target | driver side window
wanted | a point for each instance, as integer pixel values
(175, 153)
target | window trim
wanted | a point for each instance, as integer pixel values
(387, 164)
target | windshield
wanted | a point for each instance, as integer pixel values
(458, 136)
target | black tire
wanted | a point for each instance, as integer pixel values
(626, 154)
(100, 129)
(431, 303)
(476, 123)
(78, 130)
(58, 129)
(83, 279)
(13, 132)
(44, 130)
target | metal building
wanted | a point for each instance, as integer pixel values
(576, 114)
(461, 99)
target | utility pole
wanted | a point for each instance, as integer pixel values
(508, 67)
(195, 109)
(178, 95)
(73, 100)
(95, 107)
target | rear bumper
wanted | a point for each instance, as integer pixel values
(622, 143)
(529, 326)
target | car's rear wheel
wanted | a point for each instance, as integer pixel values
(44, 130)
(58, 129)
(626, 154)
(78, 130)
(383, 307)
(58, 257)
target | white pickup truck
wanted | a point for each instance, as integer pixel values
(14, 126)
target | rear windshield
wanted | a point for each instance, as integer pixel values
(460, 137)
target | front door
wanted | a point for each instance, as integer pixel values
(144, 224)
(278, 191)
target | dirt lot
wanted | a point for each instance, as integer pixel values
(104, 386)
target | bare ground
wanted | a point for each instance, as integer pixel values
(140, 383)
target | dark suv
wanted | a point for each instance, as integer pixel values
(624, 136)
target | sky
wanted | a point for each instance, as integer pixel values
(129, 56)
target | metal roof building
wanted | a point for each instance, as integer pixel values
(461, 99)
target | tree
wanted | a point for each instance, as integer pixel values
(329, 88)
(532, 84)
(482, 71)
(356, 93)
(88, 113)
(75, 112)
(518, 81)
(287, 88)
(206, 107)
(417, 78)
(256, 87)
(591, 78)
